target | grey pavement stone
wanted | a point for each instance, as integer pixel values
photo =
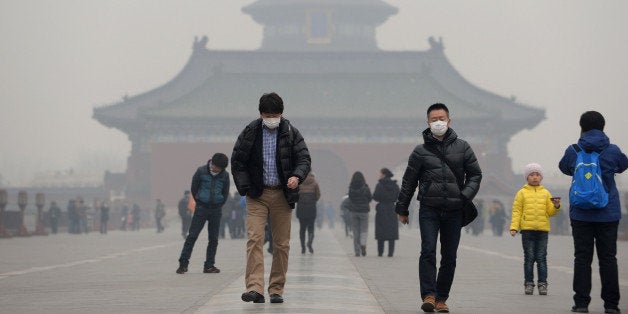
(323, 282)
(134, 272)
(489, 275)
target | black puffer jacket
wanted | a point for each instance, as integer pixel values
(360, 197)
(437, 183)
(292, 159)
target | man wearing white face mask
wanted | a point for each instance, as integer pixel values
(269, 161)
(448, 175)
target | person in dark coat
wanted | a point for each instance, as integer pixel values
(596, 227)
(269, 161)
(184, 213)
(309, 194)
(82, 216)
(104, 216)
(124, 215)
(345, 209)
(386, 224)
(135, 216)
(442, 195)
(498, 218)
(210, 190)
(55, 214)
(160, 213)
(360, 197)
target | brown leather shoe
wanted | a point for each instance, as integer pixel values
(429, 303)
(441, 307)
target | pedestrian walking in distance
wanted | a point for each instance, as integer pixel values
(386, 223)
(360, 198)
(309, 194)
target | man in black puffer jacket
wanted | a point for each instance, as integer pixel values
(441, 198)
(269, 161)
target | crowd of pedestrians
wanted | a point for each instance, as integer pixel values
(271, 171)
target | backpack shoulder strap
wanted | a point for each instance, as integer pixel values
(576, 147)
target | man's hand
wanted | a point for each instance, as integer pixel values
(293, 182)
(403, 219)
(513, 232)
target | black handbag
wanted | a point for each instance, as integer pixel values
(469, 211)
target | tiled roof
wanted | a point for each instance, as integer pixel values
(390, 85)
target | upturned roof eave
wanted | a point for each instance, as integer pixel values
(203, 63)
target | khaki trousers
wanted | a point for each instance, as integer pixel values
(272, 203)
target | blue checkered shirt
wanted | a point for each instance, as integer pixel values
(269, 150)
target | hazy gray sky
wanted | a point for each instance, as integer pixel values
(61, 58)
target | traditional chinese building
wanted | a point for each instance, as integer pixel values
(358, 107)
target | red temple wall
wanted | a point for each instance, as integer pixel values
(174, 164)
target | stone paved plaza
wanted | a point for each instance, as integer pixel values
(134, 272)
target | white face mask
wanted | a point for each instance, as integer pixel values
(213, 171)
(271, 123)
(438, 128)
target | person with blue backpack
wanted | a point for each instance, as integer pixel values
(593, 162)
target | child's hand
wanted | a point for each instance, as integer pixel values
(513, 232)
(556, 201)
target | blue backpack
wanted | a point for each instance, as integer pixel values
(587, 189)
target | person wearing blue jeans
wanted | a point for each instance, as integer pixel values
(534, 250)
(210, 189)
(596, 226)
(531, 211)
(448, 176)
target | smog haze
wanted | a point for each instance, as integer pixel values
(61, 59)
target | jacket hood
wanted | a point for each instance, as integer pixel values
(388, 184)
(593, 140)
(387, 181)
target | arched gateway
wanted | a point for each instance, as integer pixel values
(358, 107)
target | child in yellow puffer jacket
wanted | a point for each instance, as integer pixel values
(531, 211)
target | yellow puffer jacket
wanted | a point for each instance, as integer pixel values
(532, 209)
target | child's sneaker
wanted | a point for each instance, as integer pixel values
(529, 288)
(542, 288)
